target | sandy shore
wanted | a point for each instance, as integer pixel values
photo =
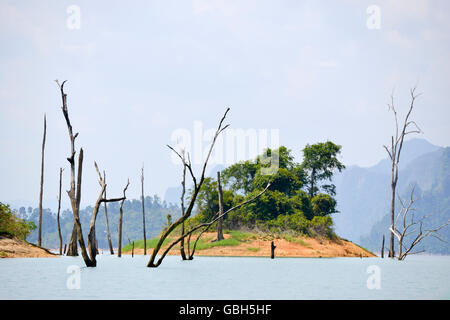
(15, 248)
(305, 247)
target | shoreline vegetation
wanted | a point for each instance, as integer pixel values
(257, 244)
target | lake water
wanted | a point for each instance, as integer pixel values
(419, 277)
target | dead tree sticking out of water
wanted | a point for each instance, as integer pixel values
(143, 210)
(111, 250)
(394, 152)
(382, 248)
(183, 192)
(59, 210)
(42, 182)
(407, 228)
(119, 252)
(219, 222)
(272, 250)
(197, 185)
(74, 193)
(92, 242)
(207, 225)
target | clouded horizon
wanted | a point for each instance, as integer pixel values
(139, 71)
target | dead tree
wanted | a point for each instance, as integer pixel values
(219, 222)
(197, 185)
(59, 210)
(42, 181)
(207, 225)
(75, 196)
(394, 152)
(74, 192)
(92, 243)
(272, 250)
(143, 210)
(183, 192)
(382, 248)
(409, 227)
(111, 250)
(119, 252)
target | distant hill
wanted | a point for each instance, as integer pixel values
(364, 194)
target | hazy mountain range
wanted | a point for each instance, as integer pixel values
(363, 195)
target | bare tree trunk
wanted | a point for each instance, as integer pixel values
(219, 222)
(197, 186)
(132, 251)
(394, 154)
(382, 248)
(59, 210)
(72, 249)
(408, 229)
(119, 252)
(42, 182)
(143, 211)
(92, 242)
(183, 192)
(272, 250)
(65, 247)
(75, 193)
(111, 250)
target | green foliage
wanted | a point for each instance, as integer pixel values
(323, 204)
(319, 162)
(322, 226)
(11, 224)
(284, 206)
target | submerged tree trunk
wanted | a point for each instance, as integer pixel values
(72, 248)
(59, 210)
(42, 182)
(111, 250)
(183, 192)
(219, 222)
(394, 152)
(143, 211)
(119, 250)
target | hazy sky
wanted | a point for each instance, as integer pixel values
(138, 71)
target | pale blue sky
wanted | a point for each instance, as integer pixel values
(138, 70)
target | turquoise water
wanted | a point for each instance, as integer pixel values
(419, 277)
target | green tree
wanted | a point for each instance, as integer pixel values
(319, 162)
(323, 205)
(13, 225)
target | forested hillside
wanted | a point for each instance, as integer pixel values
(156, 212)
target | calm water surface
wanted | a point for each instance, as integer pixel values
(419, 277)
